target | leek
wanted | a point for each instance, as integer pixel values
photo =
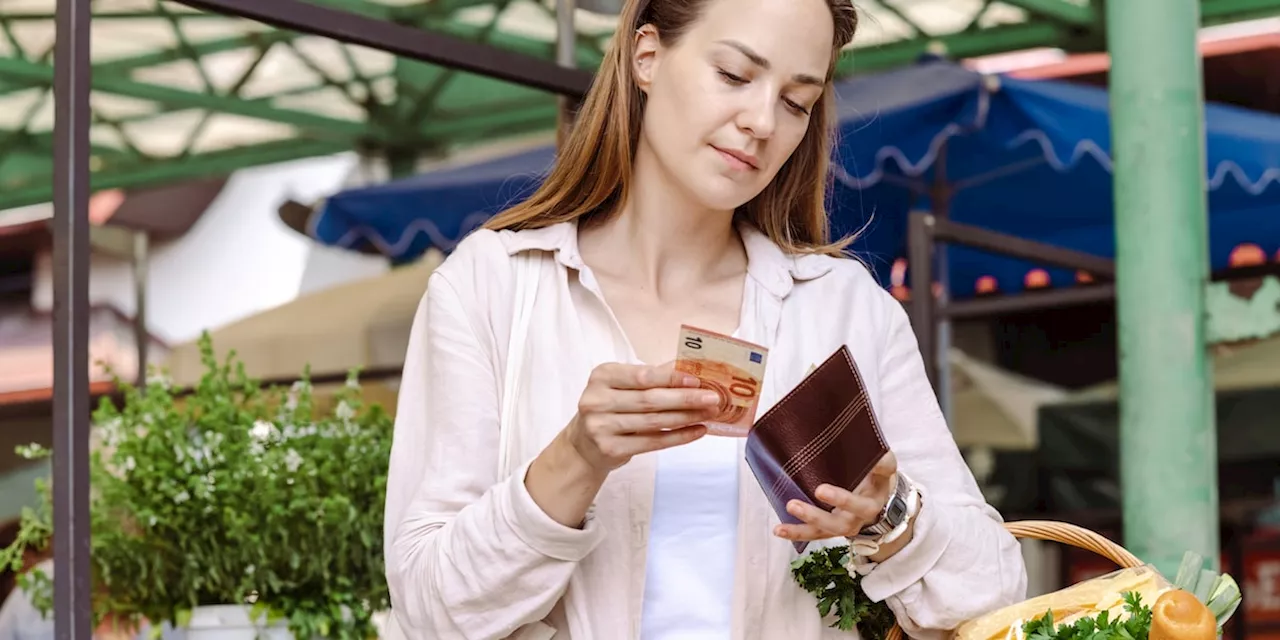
(1218, 591)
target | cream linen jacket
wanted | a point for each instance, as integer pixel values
(470, 555)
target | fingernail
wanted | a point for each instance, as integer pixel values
(709, 398)
(691, 381)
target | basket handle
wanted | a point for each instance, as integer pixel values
(1068, 534)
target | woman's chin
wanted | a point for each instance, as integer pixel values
(722, 194)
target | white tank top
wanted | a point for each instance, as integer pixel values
(688, 592)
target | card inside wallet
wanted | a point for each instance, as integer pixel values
(823, 432)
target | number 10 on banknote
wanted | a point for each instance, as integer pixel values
(732, 368)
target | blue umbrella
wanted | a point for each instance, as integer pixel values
(404, 218)
(1030, 158)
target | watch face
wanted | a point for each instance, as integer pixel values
(897, 511)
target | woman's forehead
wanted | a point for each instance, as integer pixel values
(794, 35)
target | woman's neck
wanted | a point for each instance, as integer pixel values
(661, 240)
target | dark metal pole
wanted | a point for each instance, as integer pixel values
(940, 198)
(141, 337)
(920, 256)
(71, 574)
(566, 45)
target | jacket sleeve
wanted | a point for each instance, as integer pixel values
(961, 562)
(468, 555)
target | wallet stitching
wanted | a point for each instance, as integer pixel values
(828, 436)
(875, 423)
(870, 408)
(841, 421)
(806, 382)
(849, 409)
(803, 456)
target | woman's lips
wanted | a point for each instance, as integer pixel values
(737, 160)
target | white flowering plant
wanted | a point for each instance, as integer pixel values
(234, 494)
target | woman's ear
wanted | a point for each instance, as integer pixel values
(647, 46)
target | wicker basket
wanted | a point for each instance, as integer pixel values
(1066, 534)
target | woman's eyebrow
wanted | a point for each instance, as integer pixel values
(763, 62)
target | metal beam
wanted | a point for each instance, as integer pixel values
(206, 48)
(371, 9)
(44, 143)
(1227, 11)
(1027, 301)
(441, 49)
(1061, 10)
(120, 169)
(261, 109)
(958, 45)
(1168, 444)
(495, 126)
(72, 572)
(946, 230)
(505, 41)
(204, 165)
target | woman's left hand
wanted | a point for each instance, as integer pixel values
(852, 510)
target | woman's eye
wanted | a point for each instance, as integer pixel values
(795, 107)
(732, 79)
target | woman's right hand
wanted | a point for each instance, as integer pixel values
(627, 410)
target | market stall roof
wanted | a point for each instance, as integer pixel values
(179, 93)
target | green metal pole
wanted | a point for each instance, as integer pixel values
(1168, 442)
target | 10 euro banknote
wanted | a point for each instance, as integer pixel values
(732, 368)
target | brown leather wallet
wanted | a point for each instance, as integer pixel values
(823, 432)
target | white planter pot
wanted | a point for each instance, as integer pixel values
(232, 622)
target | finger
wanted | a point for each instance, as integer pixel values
(647, 423)
(863, 508)
(666, 375)
(629, 376)
(802, 532)
(836, 523)
(643, 443)
(651, 400)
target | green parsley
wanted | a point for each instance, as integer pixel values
(823, 573)
(1134, 627)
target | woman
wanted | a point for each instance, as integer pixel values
(550, 477)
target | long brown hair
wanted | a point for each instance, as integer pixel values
(592, 174)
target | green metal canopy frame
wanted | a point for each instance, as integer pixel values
(179, 93)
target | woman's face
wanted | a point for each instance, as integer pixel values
(730, 101)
